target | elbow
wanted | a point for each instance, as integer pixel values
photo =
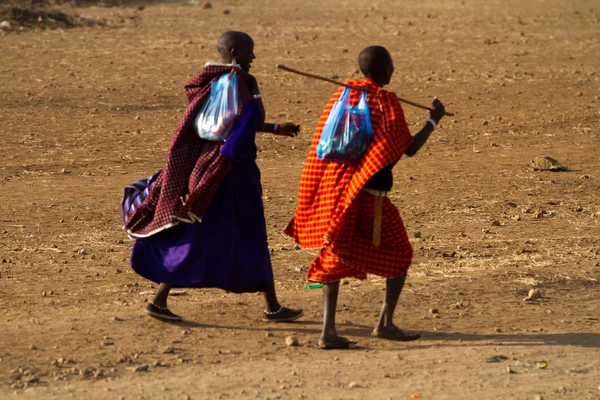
(410, 152)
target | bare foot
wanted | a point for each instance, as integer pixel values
(337, 342)
(392, 332)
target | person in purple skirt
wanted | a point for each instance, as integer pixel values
(200, 222)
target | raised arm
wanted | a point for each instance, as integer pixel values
(422, 136)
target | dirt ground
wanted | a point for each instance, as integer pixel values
(86, 110)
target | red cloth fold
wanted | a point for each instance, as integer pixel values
(194, 168)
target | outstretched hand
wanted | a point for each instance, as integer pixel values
(438, 111)
(288, 129)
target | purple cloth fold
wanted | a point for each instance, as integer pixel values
(228, 249)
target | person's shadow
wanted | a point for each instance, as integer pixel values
(428, 339)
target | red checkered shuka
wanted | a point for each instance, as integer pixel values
(333, 213)
(194, 168)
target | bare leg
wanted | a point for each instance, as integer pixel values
(330, 297)
(329, 337)
(393, 288)
(160, 298)
(385, 327)
(271, 302)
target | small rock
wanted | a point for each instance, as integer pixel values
(115, 318)
(207, 6)
(539, 397)
(141, 368)
(5, 25)
(495, 222)
(496, 359)
(546, 163)
(82, 252)
(169, 350)
(291, 341)
(539, 214)
(354, 385)
(269, 334)
(226, 12)
(516, 217)
(534, 294)
(32, 347)
(485, 123)
(509, 370)
(417, 234)
(434, 311)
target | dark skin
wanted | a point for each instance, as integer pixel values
(376, 64)
(239, 47)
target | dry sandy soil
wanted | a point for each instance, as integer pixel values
(86, 110)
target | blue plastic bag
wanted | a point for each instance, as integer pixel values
(217, 116)
(347, 132)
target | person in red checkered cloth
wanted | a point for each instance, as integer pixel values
(343, 210)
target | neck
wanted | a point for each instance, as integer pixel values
(378, 81)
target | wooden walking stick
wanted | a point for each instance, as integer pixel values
(322, 78)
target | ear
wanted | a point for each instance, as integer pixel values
(233, 52)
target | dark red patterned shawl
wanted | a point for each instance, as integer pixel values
(194, 169)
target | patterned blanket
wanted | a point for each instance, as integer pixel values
(193, 172)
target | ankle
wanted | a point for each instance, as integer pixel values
(160, 303)
(272, 308)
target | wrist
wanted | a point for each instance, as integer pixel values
(433, 123)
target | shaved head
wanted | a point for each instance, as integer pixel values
(375, 62)
(231, 40)
(236, 47)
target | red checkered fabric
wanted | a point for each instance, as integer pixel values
(194, 168)
(328, 190)
(353, 254)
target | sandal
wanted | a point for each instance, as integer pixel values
(284, 314)
(396, 334)
(339, 343)
(161, 313)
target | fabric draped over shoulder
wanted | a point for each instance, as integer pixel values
(194, 168)
(328, 189)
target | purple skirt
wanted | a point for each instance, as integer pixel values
(228, 249)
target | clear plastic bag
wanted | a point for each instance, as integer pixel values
(347, 132)
(217, 116)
